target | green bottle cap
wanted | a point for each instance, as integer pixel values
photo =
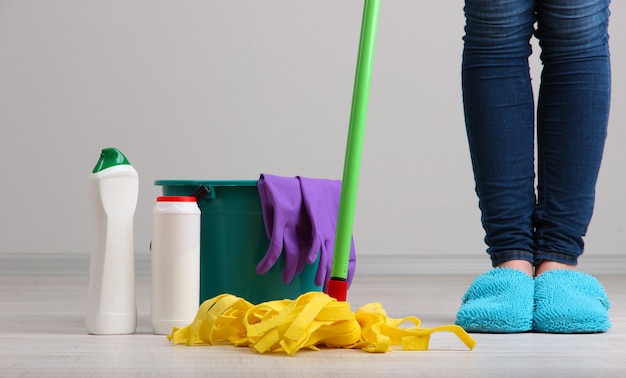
(109, 158)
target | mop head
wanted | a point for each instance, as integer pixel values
(498, 301)
(568, 301)
(312, 320)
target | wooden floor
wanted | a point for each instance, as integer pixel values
(43, 298)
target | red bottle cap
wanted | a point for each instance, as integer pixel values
(176, 199)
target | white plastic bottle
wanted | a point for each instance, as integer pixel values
(175, 262)
(111, 303)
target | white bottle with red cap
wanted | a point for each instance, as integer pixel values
(113, 190)
(175, 262)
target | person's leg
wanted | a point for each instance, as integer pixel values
(499, 116)
(572, 118)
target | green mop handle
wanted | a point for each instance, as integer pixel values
(338, 285)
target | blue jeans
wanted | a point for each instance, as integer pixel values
(572, 115)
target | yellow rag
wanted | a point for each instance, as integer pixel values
(313, 319)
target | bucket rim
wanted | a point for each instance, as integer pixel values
(206, 182)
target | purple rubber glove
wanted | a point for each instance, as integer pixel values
(286, 223)
(321, 200)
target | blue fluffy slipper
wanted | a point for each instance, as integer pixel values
(499, 301)
(567, 301)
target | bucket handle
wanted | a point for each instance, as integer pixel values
(202, 192)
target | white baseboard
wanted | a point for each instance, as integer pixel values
(472, 265)
(78, 263)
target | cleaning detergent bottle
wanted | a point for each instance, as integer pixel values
(113, 189)
(175, 262)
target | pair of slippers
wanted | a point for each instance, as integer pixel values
(506, 300)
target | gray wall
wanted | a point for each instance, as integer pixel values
(230, 89)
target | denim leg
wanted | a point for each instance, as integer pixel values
(499, 116)
(572, 117)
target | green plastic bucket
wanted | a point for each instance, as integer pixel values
(233, 241)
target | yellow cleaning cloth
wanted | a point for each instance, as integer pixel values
(313, 319)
